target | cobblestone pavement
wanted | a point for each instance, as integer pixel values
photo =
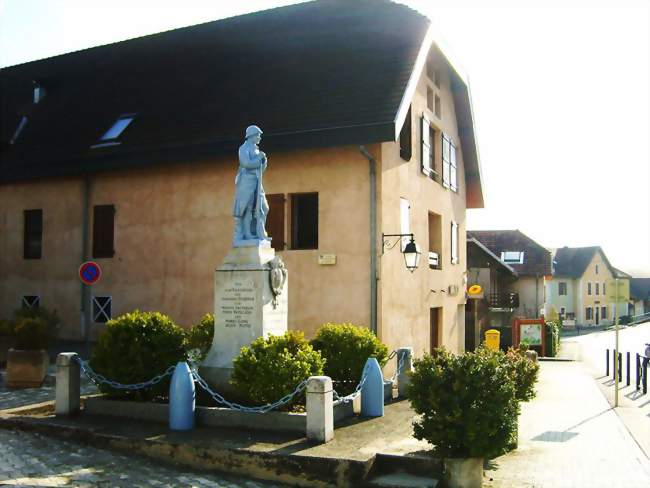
(32, 459)
(569, 437)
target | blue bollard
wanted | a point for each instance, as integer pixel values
(372, 391)
(181, 399)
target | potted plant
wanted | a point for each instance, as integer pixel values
(467, 409)
(6, 339)
(27, 360)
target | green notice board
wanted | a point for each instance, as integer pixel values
(623, 294)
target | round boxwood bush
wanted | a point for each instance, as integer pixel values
(523, 372)
(271, 368)
(30, 333)
(199, 337)
(467, 403)
(134, 348)
(345, 348)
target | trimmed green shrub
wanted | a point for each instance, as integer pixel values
(467, 403)
(523, 372)
(49, 317)
(271, 368)
(552, 338)
(134, 348)
(200, 336)
(30, 334)
(345, 348)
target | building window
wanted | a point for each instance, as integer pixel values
(589, 288)
(437, 107)
(30, 302)
(404, 221)
(429, 98)
(561, 288)
(454, 243)
(603, 312)
(103, 231)
(588, 313)
(604, 288)
(435, 241)
(512, 257)
(102, 309)
(118, 127)
(405, 138)
(33, 234)
(562, 312)
(596, 269)
(275, 220)
(304, 221)
(597, 288)
(449, 164)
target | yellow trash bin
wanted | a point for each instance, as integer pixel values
(492, 339)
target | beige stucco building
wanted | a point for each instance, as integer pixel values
(163, 212)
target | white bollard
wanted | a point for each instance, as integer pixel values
(68, 380)
(404, 375)
(320, 409)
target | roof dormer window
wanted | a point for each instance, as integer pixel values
(118, 127)
(512, 257)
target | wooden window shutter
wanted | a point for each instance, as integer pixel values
(103, 231)
(275, 220)
(425, 137)
(405, 138)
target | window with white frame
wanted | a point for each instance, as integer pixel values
(589, 313)
(562, 312)
(561, 288)
(30, 302)
(426, 153)
(102, 309)
(603, 312)
(604, 288)
(454, 243)
(512, 257)
(589, 288)
(597, 288)
(596, 269)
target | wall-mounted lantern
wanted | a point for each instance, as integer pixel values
(411, 251)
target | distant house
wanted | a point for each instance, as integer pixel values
(496, 308)
(530, 260)
(127, 154)
(581, 288)
(639, 296)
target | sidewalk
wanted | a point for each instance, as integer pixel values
(569, 437)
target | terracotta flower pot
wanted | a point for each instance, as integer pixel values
(26, 369)
(464, 472)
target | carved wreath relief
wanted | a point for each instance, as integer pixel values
(277, 278)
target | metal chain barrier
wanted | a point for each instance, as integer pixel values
(242, 408)
(99, 379)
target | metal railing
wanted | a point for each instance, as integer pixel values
(640, 369)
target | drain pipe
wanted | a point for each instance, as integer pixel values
(372, 164)
(85, 289)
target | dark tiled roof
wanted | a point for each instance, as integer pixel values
(640, 288)
(571, 262)
(620, 274)
(478, 256)
(322, 73)
(537, 259)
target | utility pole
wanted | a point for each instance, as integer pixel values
(616, 365)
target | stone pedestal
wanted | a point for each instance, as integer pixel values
(245, 307)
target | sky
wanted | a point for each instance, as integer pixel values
(560, 92)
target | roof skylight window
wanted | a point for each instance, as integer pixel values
(512, 257)
(118, 127)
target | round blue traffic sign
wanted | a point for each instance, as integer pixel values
(90, 272)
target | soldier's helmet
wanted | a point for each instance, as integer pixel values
(253, 130)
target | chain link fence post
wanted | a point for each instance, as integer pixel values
(68, 384)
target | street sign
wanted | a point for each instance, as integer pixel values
(90, 273)
(622, 294)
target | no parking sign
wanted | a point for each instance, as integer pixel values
(90, 272)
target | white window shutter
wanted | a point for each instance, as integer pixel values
(454, 243)
(446, 157)
(425, 137)
(453, 172)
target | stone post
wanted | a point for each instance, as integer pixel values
(320, 409)
(404, 375)
(67, 384)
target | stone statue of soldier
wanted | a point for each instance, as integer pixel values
(250, 207)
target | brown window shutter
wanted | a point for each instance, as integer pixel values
(275, 220)
(103, 231)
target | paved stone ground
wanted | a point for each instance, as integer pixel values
(31, 459)
(569, 437)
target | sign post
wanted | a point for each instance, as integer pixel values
(89, 273)
(620, 293)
